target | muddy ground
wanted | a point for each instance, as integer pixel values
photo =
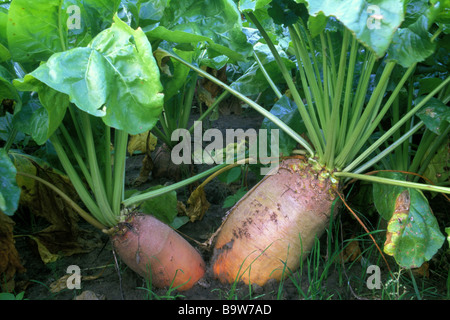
(101, 277)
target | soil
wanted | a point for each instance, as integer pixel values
(101, 280)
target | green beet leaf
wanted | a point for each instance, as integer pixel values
(115, 78)
(253, 81)
(37, 29)
(40, 119)
(9, 191)
(215, 22)
(373, 24)
(286, 110)
(435, 114)
(412, 44)
(385, 196)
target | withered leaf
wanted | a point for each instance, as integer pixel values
(197, 204)
(63, 236)
(9, 257)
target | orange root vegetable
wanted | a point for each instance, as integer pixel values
(155, 251)
(275, 223)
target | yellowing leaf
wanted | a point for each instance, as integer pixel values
(197, 204)
(45, 254)
(144, 142)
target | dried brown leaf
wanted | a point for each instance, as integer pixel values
(9, 257)
(197, 204)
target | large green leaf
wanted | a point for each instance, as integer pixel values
(372, 22)
(39, 28)
(115, 78)
(9, 191)
(35, 30)
(215, 22)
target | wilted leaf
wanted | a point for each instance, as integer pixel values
(142, 142)
(413, 234)
(197, 204)
(63, 236)
(351, 252)
(9, 257)
(422, 271)
(61, 283)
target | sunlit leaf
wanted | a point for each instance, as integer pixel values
(115, 78)
(373, 24)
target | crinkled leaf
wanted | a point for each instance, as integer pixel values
(286, 110)
(62, 236)
(413, 234)
(286, 12)
(142, 143)
(9, 257)
(435, 114)
(197, 204)
(115, 78)
(373, 24)
(9, 191)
